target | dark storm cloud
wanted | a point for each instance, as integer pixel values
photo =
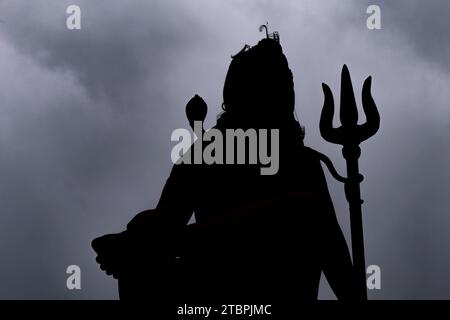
(87, 116)
(119, 45)
(425, 26)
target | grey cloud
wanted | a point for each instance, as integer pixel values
(119, 45)
(425, 26)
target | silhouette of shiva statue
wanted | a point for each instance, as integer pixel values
(255, 236)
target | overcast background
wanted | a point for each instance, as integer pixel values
(86, 117)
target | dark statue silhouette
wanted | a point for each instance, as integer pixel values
(256, 236)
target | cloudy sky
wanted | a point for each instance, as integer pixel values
(86, 118)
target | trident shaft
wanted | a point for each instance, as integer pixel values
(350, 134)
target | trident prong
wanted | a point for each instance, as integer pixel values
(350, 131)
(350, 134)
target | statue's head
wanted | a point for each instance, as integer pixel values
(259, 83)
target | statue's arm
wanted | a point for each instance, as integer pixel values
(336, 260)
(175, 206)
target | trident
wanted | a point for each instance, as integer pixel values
(350, 134)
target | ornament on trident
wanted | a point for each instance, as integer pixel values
(350, 134)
